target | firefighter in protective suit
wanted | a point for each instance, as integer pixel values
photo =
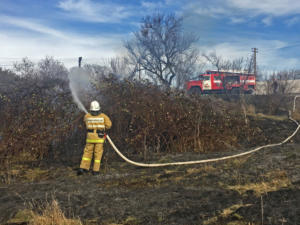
(96, 124)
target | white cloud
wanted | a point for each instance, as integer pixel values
(267, 21)
(30, 25)
(88, 10)
(292, 21)
(237, 20)
(13, 47)
(213, 11)
(18, 43)
(241, 11)
(152, 5)
(270, 7)
(268, 57)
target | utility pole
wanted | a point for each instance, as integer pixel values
(139, 68)
(254, 50)
(79, 61)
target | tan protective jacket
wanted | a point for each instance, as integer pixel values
(100, 122)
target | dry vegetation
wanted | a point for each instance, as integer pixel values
(42, 137)
(40, 119)
(52, 215)
(48, 214)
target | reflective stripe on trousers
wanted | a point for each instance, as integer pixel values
(86, 159)
(94, 140)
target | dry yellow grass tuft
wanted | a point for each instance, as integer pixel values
(271, 117)
(274, 181)
(201, 170)
(35, 174)
(296, 115)
(226, 213)
(52, 215)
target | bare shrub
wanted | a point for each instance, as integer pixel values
(25, 68)
(38, 115)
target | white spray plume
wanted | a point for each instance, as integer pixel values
(79, 81)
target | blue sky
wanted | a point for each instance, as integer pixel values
(96, 29)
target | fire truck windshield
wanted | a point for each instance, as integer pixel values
(201, 77)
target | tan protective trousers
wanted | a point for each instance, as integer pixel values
(89, 149)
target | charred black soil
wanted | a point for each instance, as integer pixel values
(260, 188)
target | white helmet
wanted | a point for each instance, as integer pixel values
(95, 106)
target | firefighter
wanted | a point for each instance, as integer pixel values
(96, 124)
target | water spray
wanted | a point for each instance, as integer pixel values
(79, 80)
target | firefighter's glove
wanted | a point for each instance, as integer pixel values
(100, 133)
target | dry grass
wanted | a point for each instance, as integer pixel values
(236, 163)
(296, 115)
(52, 215)
(272, 117)
(226, 213)
(273, 181)
(35, 174)
(13, 172)
(201, 170)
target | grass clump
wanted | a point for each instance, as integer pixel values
(274, 181)
(52, 215)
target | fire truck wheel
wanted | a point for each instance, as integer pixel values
(235, 91)
(251, 91)
(195, 91)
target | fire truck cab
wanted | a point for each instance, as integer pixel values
(222, 82)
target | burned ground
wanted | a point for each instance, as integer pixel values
(228, 192)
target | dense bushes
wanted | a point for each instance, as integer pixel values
(38, 115)
(149, 119)
(39, 118)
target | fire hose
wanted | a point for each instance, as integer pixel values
(213, 159)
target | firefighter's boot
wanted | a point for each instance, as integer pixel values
(96, 173)
(81, 171)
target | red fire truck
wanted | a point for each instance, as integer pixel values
(222, 82)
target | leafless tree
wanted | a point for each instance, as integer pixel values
(25, 68)
(119, 66)
(53, 69)
(97, 71)
(282, 82)
(238, 64)
(47, 68)
(213, 60)
(47, 73)
(162, 50)
(286, 81)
